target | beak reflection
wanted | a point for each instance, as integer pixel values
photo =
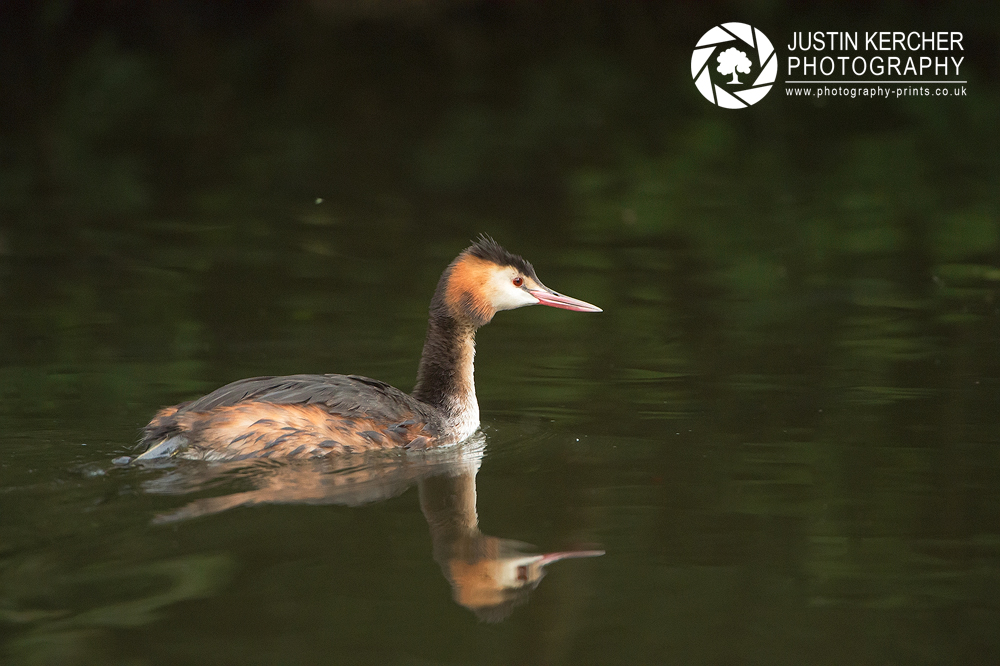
(489, 575)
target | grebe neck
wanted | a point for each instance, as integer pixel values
(446, 377)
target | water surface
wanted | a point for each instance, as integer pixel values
(781, 431)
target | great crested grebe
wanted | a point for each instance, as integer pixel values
(318, 415)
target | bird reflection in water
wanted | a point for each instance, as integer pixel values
(488, 575)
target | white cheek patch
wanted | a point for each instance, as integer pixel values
(505, 296)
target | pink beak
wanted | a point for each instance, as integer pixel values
(548, 297)
(549, 558)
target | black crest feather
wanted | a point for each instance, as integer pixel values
(488, 249)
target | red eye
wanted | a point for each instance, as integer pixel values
(518, 281)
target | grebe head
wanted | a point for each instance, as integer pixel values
(486, 279)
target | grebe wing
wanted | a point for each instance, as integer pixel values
(308, 415)
(346, 395)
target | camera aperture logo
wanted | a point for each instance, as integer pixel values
(734, 65)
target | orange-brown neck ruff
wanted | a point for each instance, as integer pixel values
(446, 377)
(465, 294)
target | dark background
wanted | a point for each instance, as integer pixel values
(782, 428)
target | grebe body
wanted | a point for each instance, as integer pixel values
(319, 415)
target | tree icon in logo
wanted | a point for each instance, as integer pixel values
(733, 60)
(737, 48)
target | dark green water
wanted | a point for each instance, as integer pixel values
(782, 430)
